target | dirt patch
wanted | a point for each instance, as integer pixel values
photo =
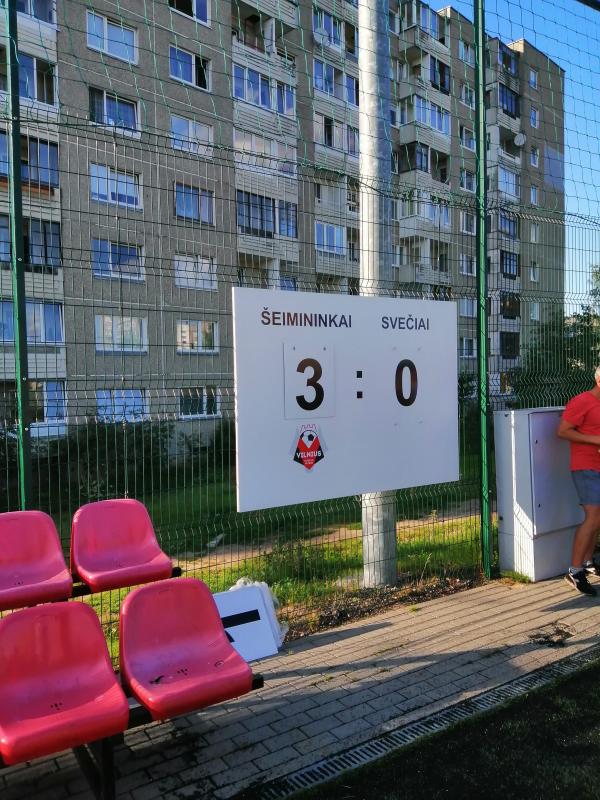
(366, 602)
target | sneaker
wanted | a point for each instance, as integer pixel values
(592, 567)
(580, 582)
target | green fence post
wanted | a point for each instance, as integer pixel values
(482, 318)
(18, 260)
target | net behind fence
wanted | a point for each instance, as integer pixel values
(172, 150)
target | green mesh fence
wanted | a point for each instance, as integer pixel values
(172, 150)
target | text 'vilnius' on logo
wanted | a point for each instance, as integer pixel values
(308, 449)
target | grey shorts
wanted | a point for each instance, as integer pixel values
(587, 484)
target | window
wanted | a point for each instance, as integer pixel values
(36, 78)
(328, 26)
(48, 407)
(329, 132)
(467, 95)
(509, 344)
(508, 225)
(351, 40)
(534, 230)
(195, 272)
(534, 157)
(467, 347)
(40, 9)
(508, 100)
(121, 405)
(467, 264)
(533, 78)
(440, 119)
(468, 222)
(534, 195)
(467, 180)
(330, 239)
(288, 283)
(534, 311)
(197, 336)
(201, 401)
(7, 324)
(198, 9)
(509, 182)
(467, 307)
(194, 203)
(398, 255)
(46, 403)
(352, 139)
(467, 138)
(191, 136)
(121, 334)
(534, 272)
(251, 86)
(466, 52)
(509, 264)
(108, 185)
(534, 117)
(109, 109)
(5, 250)
(116, 260)
(286, 98)
(41, 240)
(508, 60)
(189, 68)
(353, 197)
(288, 219)
(352, 90)
(43, 321)
(439, 75)
(111, 38)
(255, 214)
(510, 305)
(39, 160)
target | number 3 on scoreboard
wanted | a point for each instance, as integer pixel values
(309, 382)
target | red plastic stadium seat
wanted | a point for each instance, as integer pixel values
(58, 689)
(175, 655)
(32, 567)
(113, 545)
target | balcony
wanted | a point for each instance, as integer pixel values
(342, 265)
(415, 40)
(272, 60)
(285, 11)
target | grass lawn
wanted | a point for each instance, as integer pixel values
(543, 745)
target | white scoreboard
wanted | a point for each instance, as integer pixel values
(338, 395)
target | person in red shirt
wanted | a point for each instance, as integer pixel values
(580, 426)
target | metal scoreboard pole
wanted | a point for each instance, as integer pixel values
(376, 271)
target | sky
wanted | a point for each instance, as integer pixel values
(569, 33)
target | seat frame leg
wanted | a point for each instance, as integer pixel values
(97, 762)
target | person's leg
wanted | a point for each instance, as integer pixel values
(586, 534)
(587, 484)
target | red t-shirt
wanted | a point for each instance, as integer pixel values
(583, 411)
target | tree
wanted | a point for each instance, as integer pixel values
(560, 360)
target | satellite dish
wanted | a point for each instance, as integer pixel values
(520, 139)
(321, 36)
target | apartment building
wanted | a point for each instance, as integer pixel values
(166, 159)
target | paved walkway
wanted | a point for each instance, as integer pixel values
(335, 689)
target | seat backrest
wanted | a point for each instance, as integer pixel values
(111, 526)
(58, 642)
(159, 619)
(28, 538)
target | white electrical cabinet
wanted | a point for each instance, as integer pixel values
(538, 508)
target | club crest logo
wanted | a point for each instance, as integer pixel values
(308, 448)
